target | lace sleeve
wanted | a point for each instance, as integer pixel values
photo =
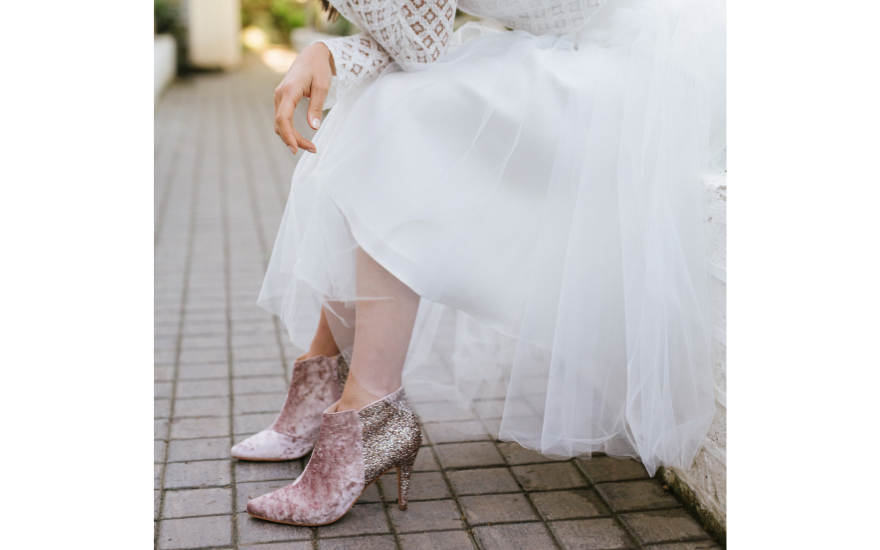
(358, 59)
(406, 31)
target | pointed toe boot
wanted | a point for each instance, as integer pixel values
(353, 449)
(315, 384)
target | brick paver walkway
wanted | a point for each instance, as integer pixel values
(222, 365)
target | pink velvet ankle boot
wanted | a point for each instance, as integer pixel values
(315, 384)
(353, 450)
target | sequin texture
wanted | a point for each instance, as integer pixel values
(392, 437)
(342, 369)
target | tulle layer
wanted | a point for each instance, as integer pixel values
(542, 196)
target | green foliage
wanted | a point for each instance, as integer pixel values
(288, 14)
(278, 17)
(166, 17)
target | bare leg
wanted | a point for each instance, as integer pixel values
(383, 328)
(323, 342)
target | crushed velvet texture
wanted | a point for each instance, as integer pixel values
(314, 386)
(332, 481)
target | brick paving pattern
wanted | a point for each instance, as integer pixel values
(222, 365)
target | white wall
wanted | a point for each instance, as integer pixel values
(707, 478)
(164, 63)
(214, 29)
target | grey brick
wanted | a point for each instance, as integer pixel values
(157, 475)
(194, 356)
(259, 384)
(542, 477)
(159, 451)
(195, 532)
(161, 390)
(663, 526)
(164, 356)
(443, 540)
(455, 432)
(514, 536)
(516, 454)
(161, 408)
(579, 503)
(493, 427)
(247, 340)
(256, 368)
(199, 449)
(465, 455)
(604, 468)
(646, 494)
(163, 373)
(209, 473)
(696, 545)
(361, 519)
(189, 428)
(423, 486)
(207, 317)
(429, 515)
(370, 494)
(261, 471)
(157, 501)
(201, 406)
(257, 352)
(202, 388)
(203, 372)
(591, 534)
(375, 542)
(498, 508)
(203, 342)
(426, 460)
(252, 423)
(265, 327)
(197, 502)
(160, 429)
(293, 545)
(483, 481)
(213, 329)
(259, 403)
(493, 408)
(442, 412)
(252, 530)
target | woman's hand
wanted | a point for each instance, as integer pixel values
(308, 76)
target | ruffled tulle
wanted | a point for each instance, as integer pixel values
(542, 196)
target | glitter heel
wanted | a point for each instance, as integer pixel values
(404, 472)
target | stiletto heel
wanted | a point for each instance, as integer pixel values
(354, 448)
(404, 472)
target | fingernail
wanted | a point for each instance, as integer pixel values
(313, 151)
(316, 123)
(292, 150)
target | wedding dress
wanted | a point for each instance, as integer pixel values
(539, 188)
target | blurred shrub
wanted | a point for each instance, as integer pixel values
(167, 19)
(277, 18)
(288, 15)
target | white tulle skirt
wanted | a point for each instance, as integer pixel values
(542, 196)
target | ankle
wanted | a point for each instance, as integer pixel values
(329, 351)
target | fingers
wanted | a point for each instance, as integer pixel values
(303, 143)
(284, 120)
(317, 96)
